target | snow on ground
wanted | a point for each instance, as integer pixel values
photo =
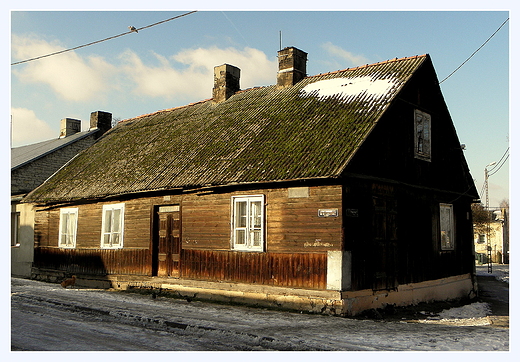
(455, 329)
(499, 271)
(475, 314)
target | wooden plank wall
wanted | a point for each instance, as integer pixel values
(94, 261)
(303, 270)
(292, 224)
(295, 255)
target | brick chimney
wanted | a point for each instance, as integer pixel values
(226, 82)
(69, 126)
(100, 120)
(292, 67)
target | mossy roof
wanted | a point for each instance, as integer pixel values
(306, 131)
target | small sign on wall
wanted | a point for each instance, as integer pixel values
(328, 213)
(352, 212)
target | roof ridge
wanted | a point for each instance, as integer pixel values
(370, 65)
(165, 110)
(186, 105)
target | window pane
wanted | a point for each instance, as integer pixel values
(240, 237)
(116, 225)
(256, 237)
(72, 224)
(446, 226)
(256, 214)
(64, 223)
(115, 240)
(422, 135)
(108, 221)
(106, 239)
(241, 214)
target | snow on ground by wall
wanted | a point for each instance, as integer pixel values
(475, 314)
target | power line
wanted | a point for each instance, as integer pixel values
(498, 162)
(475, 52)
(102, 40)
(498, 169)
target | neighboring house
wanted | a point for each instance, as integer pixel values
(31, 165)
(498, 239)
(333, 193)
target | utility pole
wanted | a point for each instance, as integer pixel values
(488, 236)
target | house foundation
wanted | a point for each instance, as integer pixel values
(328, 302)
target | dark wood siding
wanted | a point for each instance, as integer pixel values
(303, 270)
(97, 262)
(414, 254)
(293, 224)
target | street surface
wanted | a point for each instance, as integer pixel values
(46, 317)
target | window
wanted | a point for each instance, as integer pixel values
(112, 226)
(422, 130)
(447, 227)
(15, 228)
(248, 223)
(68, 227)
(481, 238)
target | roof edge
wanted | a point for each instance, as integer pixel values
(371, 65)
(87, 133)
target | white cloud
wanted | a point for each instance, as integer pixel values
(350, 58)
(184, 76)
(72, 77)
(190, 73)
(25, 119)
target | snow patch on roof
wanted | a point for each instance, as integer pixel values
(348, 87)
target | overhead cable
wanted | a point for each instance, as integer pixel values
(498, 169)
(475, 52)
(498, 162)
(102, 40)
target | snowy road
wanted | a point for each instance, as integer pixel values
(46, 317)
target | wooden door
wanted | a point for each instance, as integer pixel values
(384, 243)
(167, 242)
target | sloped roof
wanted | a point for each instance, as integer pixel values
(25, 154)
(310, 130)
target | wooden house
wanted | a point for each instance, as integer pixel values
(333, 193)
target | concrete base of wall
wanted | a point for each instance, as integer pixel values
(452, 288)
(21, 269)
(311, 301)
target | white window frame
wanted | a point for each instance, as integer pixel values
(111, 231)
(253, 223)
(67, 237)
(447, 226)
(422, 135)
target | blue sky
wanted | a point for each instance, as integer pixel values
(171, 64)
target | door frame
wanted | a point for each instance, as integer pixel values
(154, 248)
